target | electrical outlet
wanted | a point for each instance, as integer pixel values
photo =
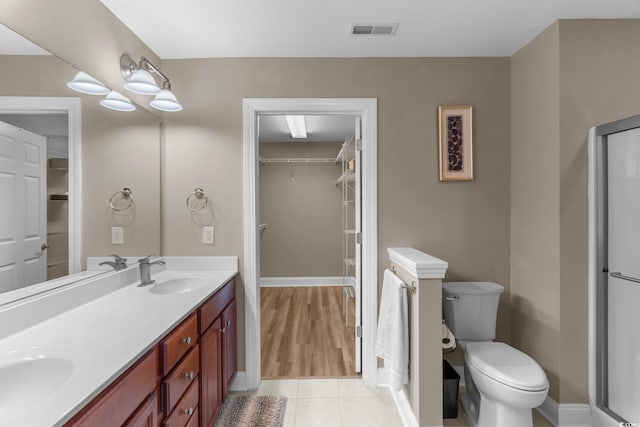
(208, 235)
(117, 236)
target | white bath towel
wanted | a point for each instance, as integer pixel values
(392, 341)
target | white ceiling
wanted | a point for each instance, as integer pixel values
(319, 128)
(302, 28)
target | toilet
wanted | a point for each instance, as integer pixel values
(503, 384)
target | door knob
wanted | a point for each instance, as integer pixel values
(44, 246)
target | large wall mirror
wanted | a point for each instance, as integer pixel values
(65, 162)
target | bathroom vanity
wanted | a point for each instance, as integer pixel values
(158, 355)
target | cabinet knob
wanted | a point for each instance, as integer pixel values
(189, 375)
(223, 329)
(188, 411)
(228, 322)
(187, 340)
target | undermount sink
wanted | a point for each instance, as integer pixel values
(179, 285)
(27, 383)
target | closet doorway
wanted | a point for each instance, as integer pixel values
(310, 279)
(253, 110)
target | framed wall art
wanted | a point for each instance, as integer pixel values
(455, 143)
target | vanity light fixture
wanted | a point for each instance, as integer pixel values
(84, 83)
(166, 100)
(139, 79)
(297, 126)
(117, 101)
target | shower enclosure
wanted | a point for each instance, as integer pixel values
(614, 198)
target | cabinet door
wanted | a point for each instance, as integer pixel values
(146, 415)
(229, 347)
(210, 368)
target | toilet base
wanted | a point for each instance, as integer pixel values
(494, 414)
(470, 409)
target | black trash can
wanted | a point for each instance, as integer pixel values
(450, 386)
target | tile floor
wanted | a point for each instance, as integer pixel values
(345, 403)
(333, 403)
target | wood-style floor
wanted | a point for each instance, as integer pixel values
(304, 334)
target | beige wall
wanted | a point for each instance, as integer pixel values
(575, 75)
(599, 69)
(303, 209)
(465, 223)
(535, 202)
(118, 150)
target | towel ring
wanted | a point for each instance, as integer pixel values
(126, 194)
(199, 194)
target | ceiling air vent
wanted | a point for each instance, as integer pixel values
(373, 29)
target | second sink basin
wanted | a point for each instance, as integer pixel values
(179, 285)
(27, 383)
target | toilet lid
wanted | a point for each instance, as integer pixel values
(507, 365)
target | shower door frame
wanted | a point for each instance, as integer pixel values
(598, 268)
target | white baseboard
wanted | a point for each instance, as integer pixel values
(400, 400)
(550, 410)
(303, 281)
(240, 382)
(566, 414)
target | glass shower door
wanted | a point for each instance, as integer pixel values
(623, 293)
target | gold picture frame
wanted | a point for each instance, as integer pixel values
(455, 142)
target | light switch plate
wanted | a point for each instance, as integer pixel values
(117, 236)
(208, 235)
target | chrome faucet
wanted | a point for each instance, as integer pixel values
(119, 263)
(145, 270)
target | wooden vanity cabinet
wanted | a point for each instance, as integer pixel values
(229, 347)
(218, 350)
(130, 400)
(182, 381)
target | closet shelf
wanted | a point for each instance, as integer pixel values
(347, 176)
(347, 151)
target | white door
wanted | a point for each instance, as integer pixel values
(358, 266)
(23, 214)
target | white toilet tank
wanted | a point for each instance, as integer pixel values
(470, 309)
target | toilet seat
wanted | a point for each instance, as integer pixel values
(505, 364)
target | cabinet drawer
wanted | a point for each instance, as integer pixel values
(214, 305)
(193, 421)
(120, 400)
(185, 409)
(177, 343)
(180, 378)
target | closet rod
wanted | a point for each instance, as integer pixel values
(298, 160)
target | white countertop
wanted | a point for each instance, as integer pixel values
(102, 338)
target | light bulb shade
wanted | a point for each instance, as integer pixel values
(142, 82)
(84, 83)
(117, 101)
(166, 101)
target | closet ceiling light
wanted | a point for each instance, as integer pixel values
(297, 126)
(84, 83)
(118, 102)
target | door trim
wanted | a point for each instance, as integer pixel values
(367, 109)
(72, 107)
